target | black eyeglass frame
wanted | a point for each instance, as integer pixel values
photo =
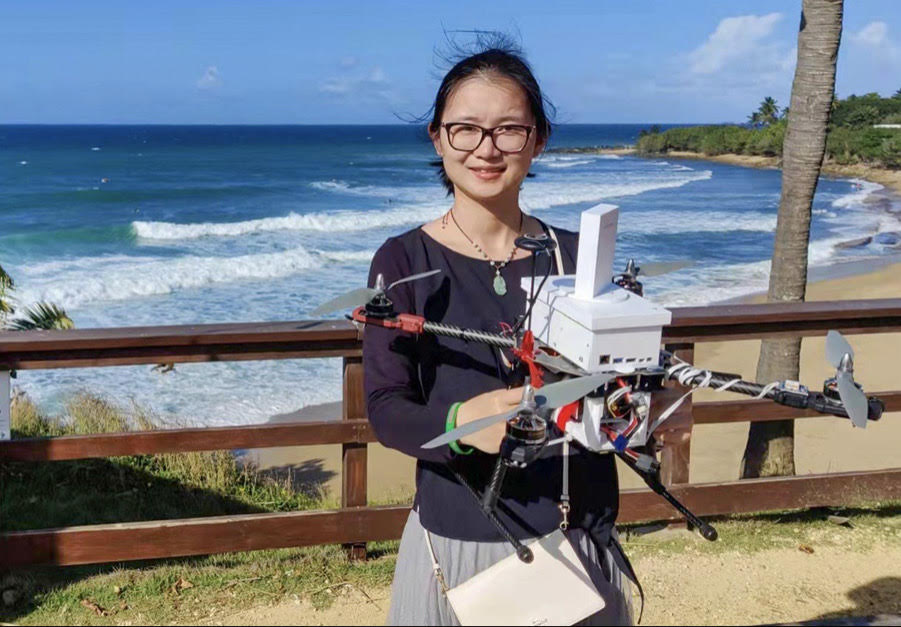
(490, 132)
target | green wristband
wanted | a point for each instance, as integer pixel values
(450, 425)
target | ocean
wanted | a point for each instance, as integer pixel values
(158, 225)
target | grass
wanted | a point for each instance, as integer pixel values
(194, 589)
(141, 487)
(867, 527)
(190, 589)
(150, 487)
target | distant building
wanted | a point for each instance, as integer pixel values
(887, 126)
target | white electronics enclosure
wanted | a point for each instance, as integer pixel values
(589, 320)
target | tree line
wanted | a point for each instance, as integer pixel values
(851, 134)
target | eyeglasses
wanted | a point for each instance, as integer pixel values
(509, 138)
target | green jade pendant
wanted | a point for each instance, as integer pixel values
(500, 286)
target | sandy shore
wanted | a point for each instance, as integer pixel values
(822, 444)
(889, 178)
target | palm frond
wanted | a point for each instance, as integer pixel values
(42, 316)
(6, 281)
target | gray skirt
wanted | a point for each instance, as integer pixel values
(417, 599)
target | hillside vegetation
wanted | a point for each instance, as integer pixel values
(852, 137)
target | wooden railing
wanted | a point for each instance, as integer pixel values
(355, 523)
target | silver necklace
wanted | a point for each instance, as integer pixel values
(500, 285)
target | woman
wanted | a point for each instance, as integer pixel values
(489, 123)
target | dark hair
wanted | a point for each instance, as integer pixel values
(500, 56)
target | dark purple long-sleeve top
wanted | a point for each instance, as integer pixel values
(411, 382)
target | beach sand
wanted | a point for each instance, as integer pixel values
(821, 444)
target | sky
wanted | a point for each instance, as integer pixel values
(375, 62)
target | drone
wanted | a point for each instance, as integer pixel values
(590, 343)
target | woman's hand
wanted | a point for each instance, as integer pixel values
(482, 406)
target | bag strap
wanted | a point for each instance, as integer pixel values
(436, 568)
(557, 255)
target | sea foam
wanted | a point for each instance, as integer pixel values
(94, 279)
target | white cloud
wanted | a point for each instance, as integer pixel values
(364, 85)
(875, 37)
(210, 78)
(734, 38)
(873, 34)
(347, 62)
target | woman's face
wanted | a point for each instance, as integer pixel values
(485, 173)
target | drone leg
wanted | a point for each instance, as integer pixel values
(487, 503)
(493, 490)
(652, 479)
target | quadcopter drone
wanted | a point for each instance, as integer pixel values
(596, 341)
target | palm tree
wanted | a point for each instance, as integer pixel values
(770, 446)
(769, 111)
(38, 316)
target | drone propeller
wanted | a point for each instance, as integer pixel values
(664, 267)
(655, 268)
(841, 356)
(362, 295)
(551, 396)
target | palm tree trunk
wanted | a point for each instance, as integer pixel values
(770, 446)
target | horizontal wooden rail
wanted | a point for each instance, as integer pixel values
(77, 348)
(759, 495)
(200, 536)
(320, 432)
(185, 440)
(95, 544)
(734, 322)
(288, 340)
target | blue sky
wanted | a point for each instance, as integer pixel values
(269, 62)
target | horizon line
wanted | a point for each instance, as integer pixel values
(332, 124)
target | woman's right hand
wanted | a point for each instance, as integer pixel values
(482, 406)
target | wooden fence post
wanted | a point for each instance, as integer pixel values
(5, 406)
(675, 433)
(353, 454)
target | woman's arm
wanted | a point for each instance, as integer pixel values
(399, 414)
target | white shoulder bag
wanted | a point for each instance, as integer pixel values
(554, 589)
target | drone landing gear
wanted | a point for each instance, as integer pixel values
(652, 479)
(525, 439)
(488, 504)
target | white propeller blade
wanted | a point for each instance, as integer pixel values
(413, 277)
(854, 400)
(836, 348)
(657, 268)
(553, 395)
(354, 299)
(569, 390)
(469, 427)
